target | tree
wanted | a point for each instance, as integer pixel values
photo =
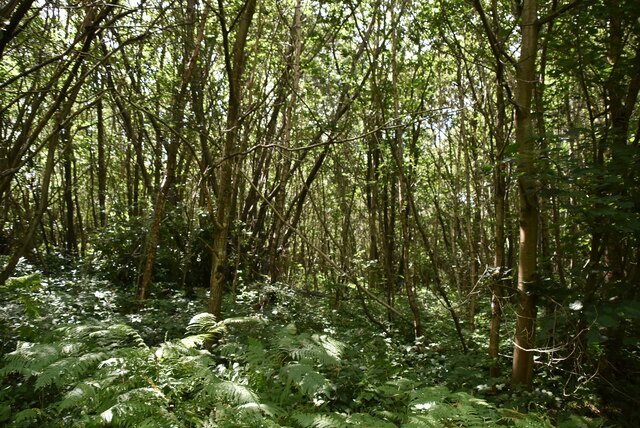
(235, 58)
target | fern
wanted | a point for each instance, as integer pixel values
(256, 355)
(437, 405)
(267, 409)
(232, 392)
(321, 349)
(133, 413)
(112, 336)
(30, 416)
(20, 290)
(331, 347)
(82, 393)
(201, 323)
(68, 370)
(205, 324)
(309, 381)
(364, 420)
(320, 420)
(422, 421)
(534, 421)
(429, 395)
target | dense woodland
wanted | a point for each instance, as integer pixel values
(377, 213)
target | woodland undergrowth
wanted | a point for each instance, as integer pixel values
(75, 355)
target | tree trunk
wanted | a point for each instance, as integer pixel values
(235, 61)
(37, 216)
(499, 201)
(8, 32)
(189, 58)
(284, 164)
(527, 259)
(398, 149)
(71, 244)
(102, 168)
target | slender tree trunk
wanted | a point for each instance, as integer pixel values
(37, 215)
(284, 170)
(527, 259)
(499, 202)
(398, 148)
(189, 59)
(9, 30)
(622, 89)
(102, 168)
(235, 61)
(373, 163)
(71, 244)
(63, 101)
(470, 227)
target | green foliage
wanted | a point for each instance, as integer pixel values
(20, 290)
(256, 372)
(19, 309)
(117, 250)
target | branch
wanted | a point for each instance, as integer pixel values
(322, 254)
(541, 21)
(496, 47)
(386, 126)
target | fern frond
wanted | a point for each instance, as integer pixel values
(68, 370)
(206, 323)
(205, 327)
(232, 392)
(201, 323)
(232, 350)
(240, 321)
(193, 341)
(319, 348)
(533, 420)
(429, 396)
(82, 393)
(308, 381)
(127, 414)
(332, 347)
(364, 420)
(256, 354)
(135, 406)
(30, 358)
(147, 394)
(28, 416)
(422, 421)
(320, 420)
(176, 350)
(267, 409)
(104, 336)
(162, 420)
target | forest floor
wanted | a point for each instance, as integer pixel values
(76, 354)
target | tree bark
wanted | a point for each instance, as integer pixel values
(528, 218)
(284, 163)
(235, 61)
(189, 58)
(398, 152)
(71, 244)
(9, 31)
(102, 168)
